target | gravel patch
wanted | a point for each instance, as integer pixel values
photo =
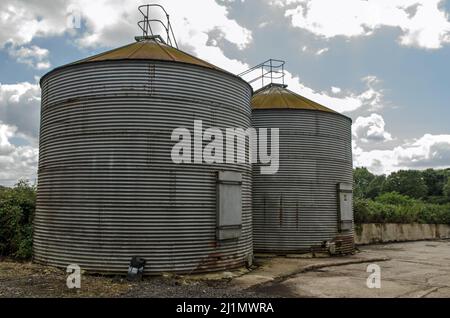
(25, 279)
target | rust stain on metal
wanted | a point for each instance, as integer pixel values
(281, 210)
(216, 260)
(264, 209)
(345, 243)
(213, 244)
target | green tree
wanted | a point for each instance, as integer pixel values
(375, 187)
(361, 180)
(435, 181)
(446, 189)
(406, 182)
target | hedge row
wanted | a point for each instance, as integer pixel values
(17, 207)
(394, 208)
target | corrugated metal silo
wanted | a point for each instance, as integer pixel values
(308, 201)
(107, 187)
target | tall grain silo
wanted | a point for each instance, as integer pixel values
(108, 189)
(307, 204)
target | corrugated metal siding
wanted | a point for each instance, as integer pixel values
(107, 188)
(297, 207)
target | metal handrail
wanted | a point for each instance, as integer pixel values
(151, 32)
(265, 63)
(272, 68)
(264, 76)
(145, 24)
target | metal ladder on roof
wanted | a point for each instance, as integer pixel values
(146, 26)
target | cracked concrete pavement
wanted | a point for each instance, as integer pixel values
(410, 269)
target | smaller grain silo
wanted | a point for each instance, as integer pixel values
(307, 204)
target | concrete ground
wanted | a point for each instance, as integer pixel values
(413, 269)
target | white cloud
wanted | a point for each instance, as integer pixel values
(371, 98)
(16, 162)
(19, 124)
(193, 26)
(429, 151)
(19, 107)
(422, 23)
(321, 51)
(113, 23)
(6, 132)
(335, 90)
(314, 50)
(21, 21)
(33, 56)
(370, 129)
(43, 65)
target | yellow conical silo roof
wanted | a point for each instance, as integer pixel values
(277, 96)
(148, 50)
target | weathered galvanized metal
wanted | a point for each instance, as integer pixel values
(297, 208)
(107, 187)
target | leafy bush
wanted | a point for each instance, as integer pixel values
(361, 211)
(17, 206)
(395, 198)
(405, 196)
(369, 211)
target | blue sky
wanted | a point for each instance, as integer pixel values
(384, 63)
